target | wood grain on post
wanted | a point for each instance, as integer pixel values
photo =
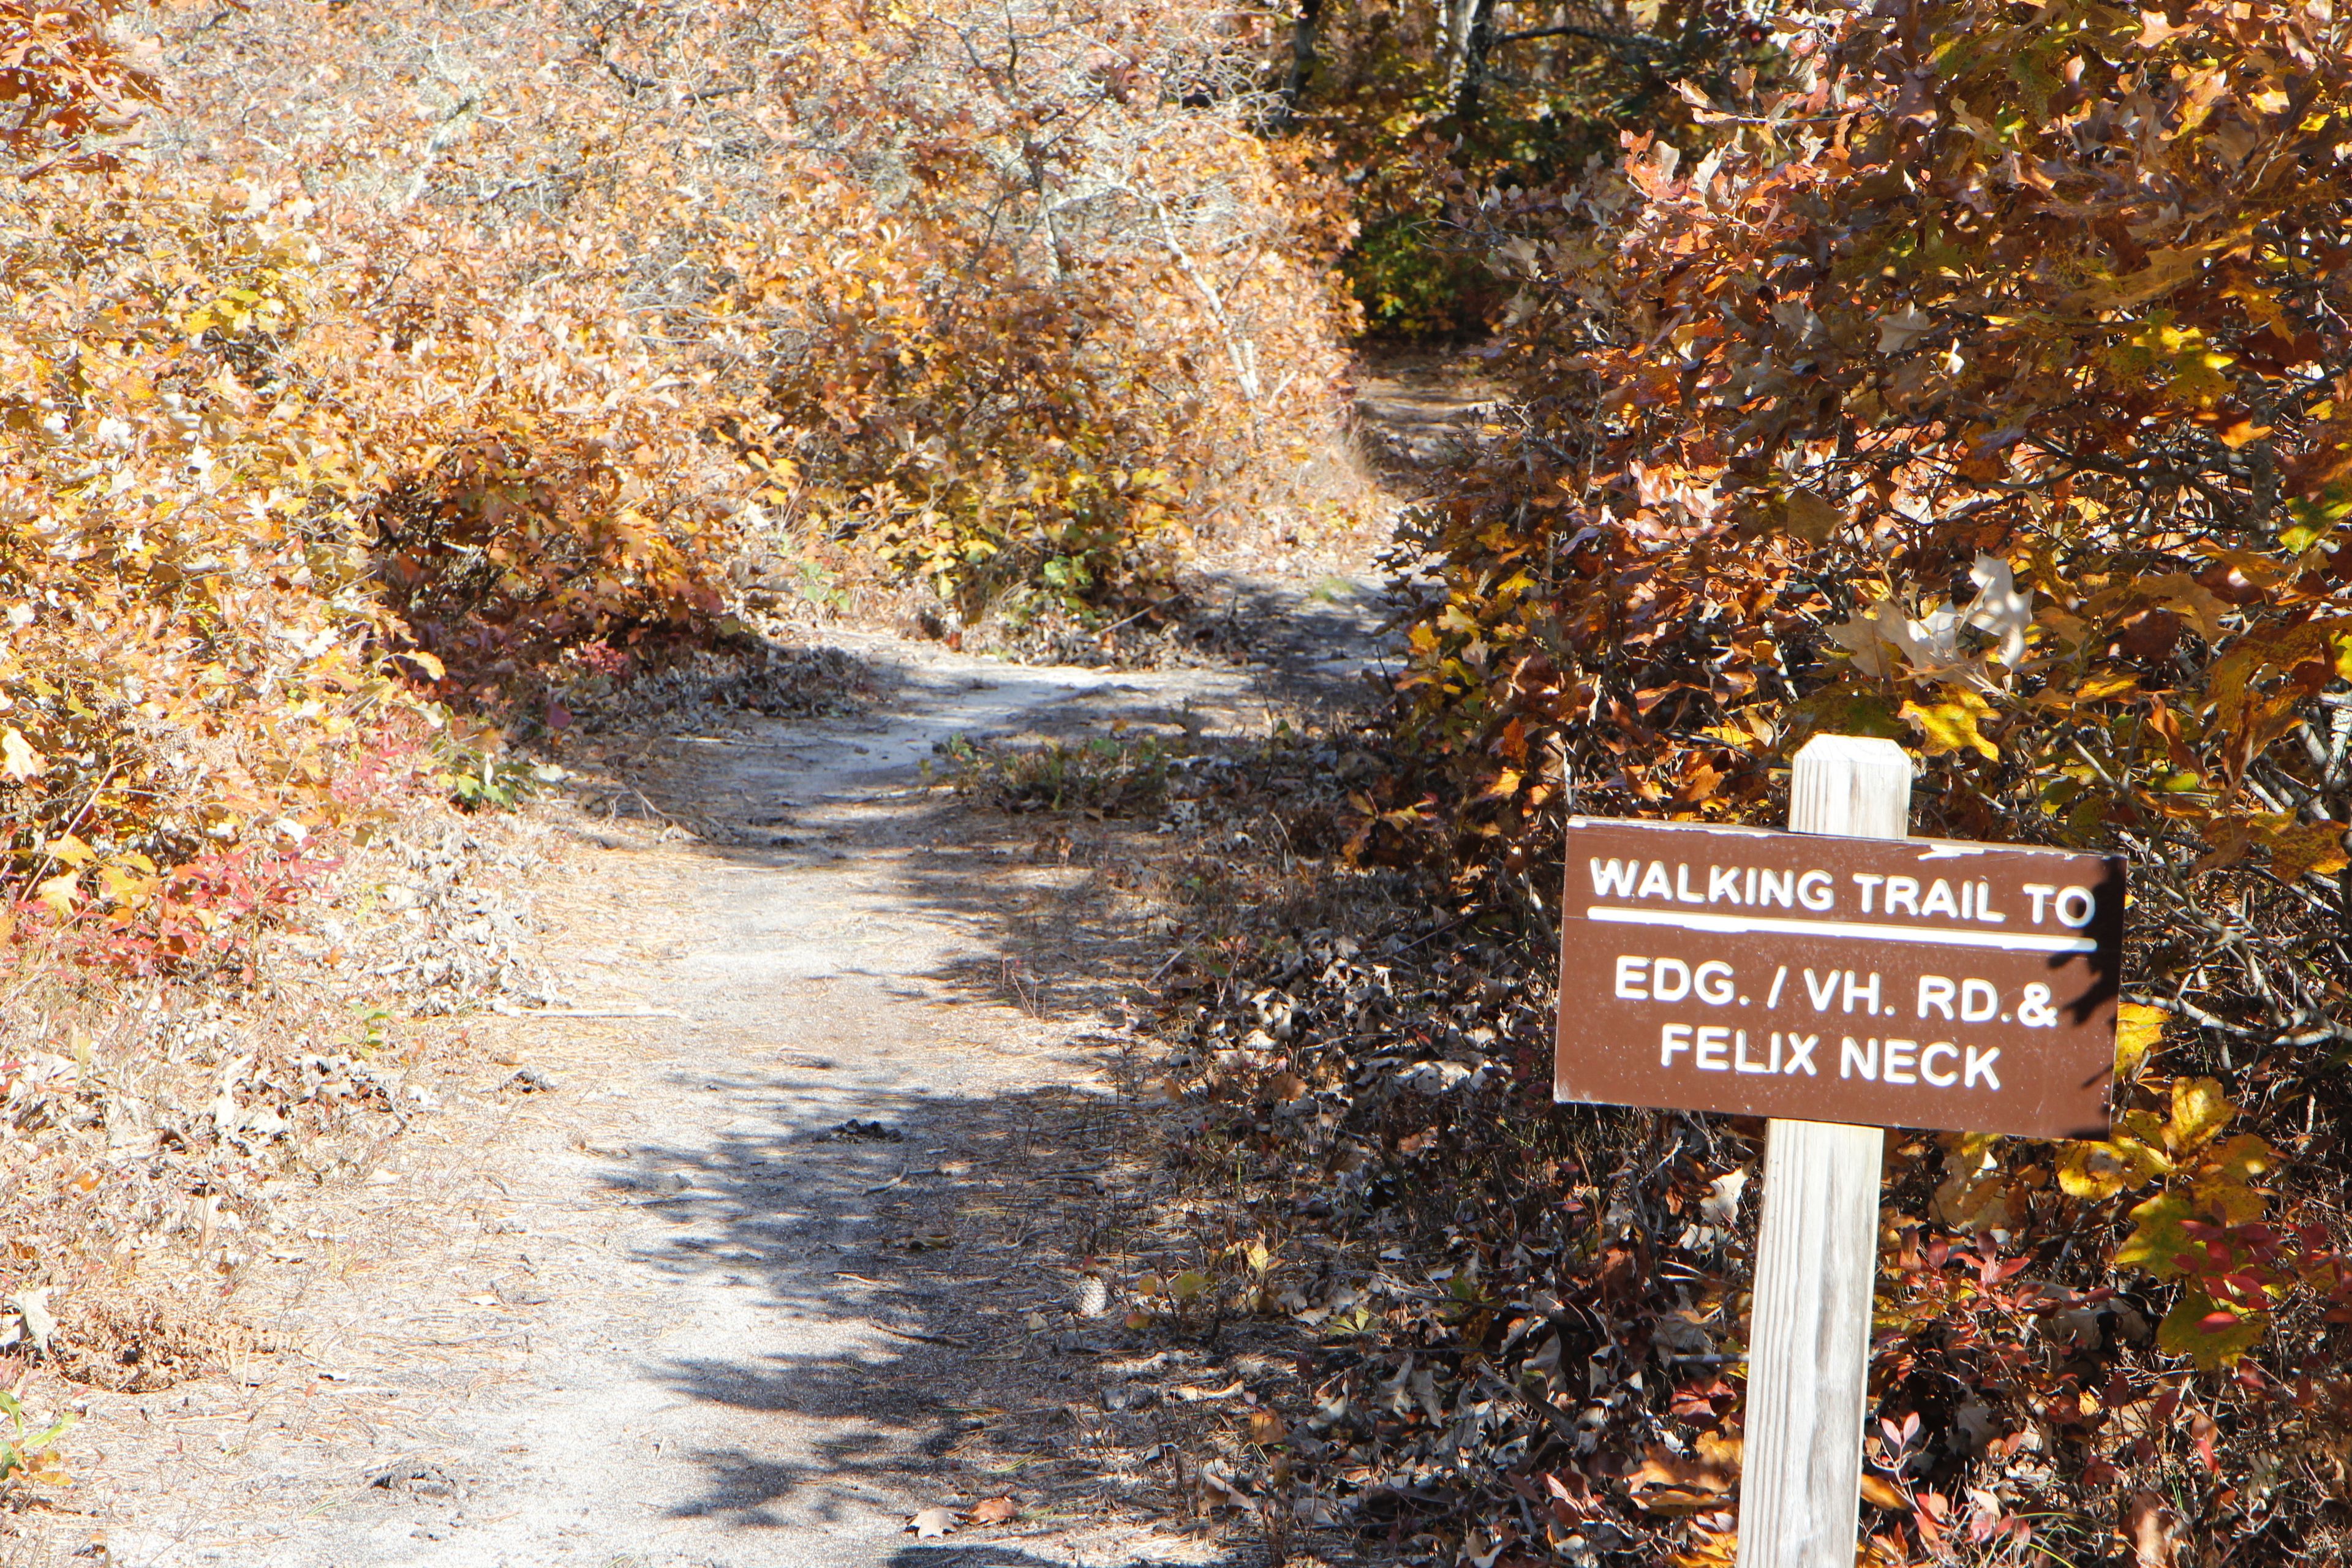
(1817, 1248)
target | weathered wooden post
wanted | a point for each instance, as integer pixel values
(1817, 1247)
(1839, 978)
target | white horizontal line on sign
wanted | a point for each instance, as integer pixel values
(1738, 925)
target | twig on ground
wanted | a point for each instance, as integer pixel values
(924, 1339)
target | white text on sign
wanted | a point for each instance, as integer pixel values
(1696, 896)
(1939, 1064)
(1716, 984)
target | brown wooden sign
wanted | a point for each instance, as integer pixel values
(1898, 982)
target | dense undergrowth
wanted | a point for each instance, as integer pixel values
(419, 355)
(1433, 114)
(1968, 372)
(381, 385)
(1969, 375)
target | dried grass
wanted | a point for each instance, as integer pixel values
(157, 1134)
(140, 1338)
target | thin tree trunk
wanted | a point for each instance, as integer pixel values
(1477, 42)
(1302, 57)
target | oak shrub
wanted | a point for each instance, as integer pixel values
(408, 349)
(1980, 376)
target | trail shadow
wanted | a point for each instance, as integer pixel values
(947, 1556)
(927, 1301)
(744, 751)
(1329, 647)
(1420, 410)
(918, 1241)
(1043, 893)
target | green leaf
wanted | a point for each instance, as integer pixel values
(2210, 1333)
(2157, 1241)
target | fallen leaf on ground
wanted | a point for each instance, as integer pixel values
(1222, 1489)
(995, 1510)
(931, 1523)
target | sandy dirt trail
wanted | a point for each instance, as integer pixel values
(839, 1101)
(792, 1248)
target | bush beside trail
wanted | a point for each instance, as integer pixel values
(417, 347)
(1976, 376)
(1006, 301)
(378, 384)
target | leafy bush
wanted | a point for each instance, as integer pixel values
(188, 663)
(1412, 282)
(1009, 297)
(27, 1455)
(1435, 117)
(68, 83)
(654, 290)
(1983, 385)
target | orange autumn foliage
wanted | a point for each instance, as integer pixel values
(65, 82)
(1010, 298)
(405, 347)
(1981, 375)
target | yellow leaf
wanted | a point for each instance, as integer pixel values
(2243, 1157)
(60, 893)
(1974, 1194)
(2225, 1186)
(18, 758)
(2299, 852)
(1878, 1491)
(2103, 688)
(2227, 1199)
(2199, 1110)
(68, 850)
(1673, 1483)
(2096, 1170)
(1952, 726)
(1707, 1550)
(2138, 1028)
(1505, 785)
